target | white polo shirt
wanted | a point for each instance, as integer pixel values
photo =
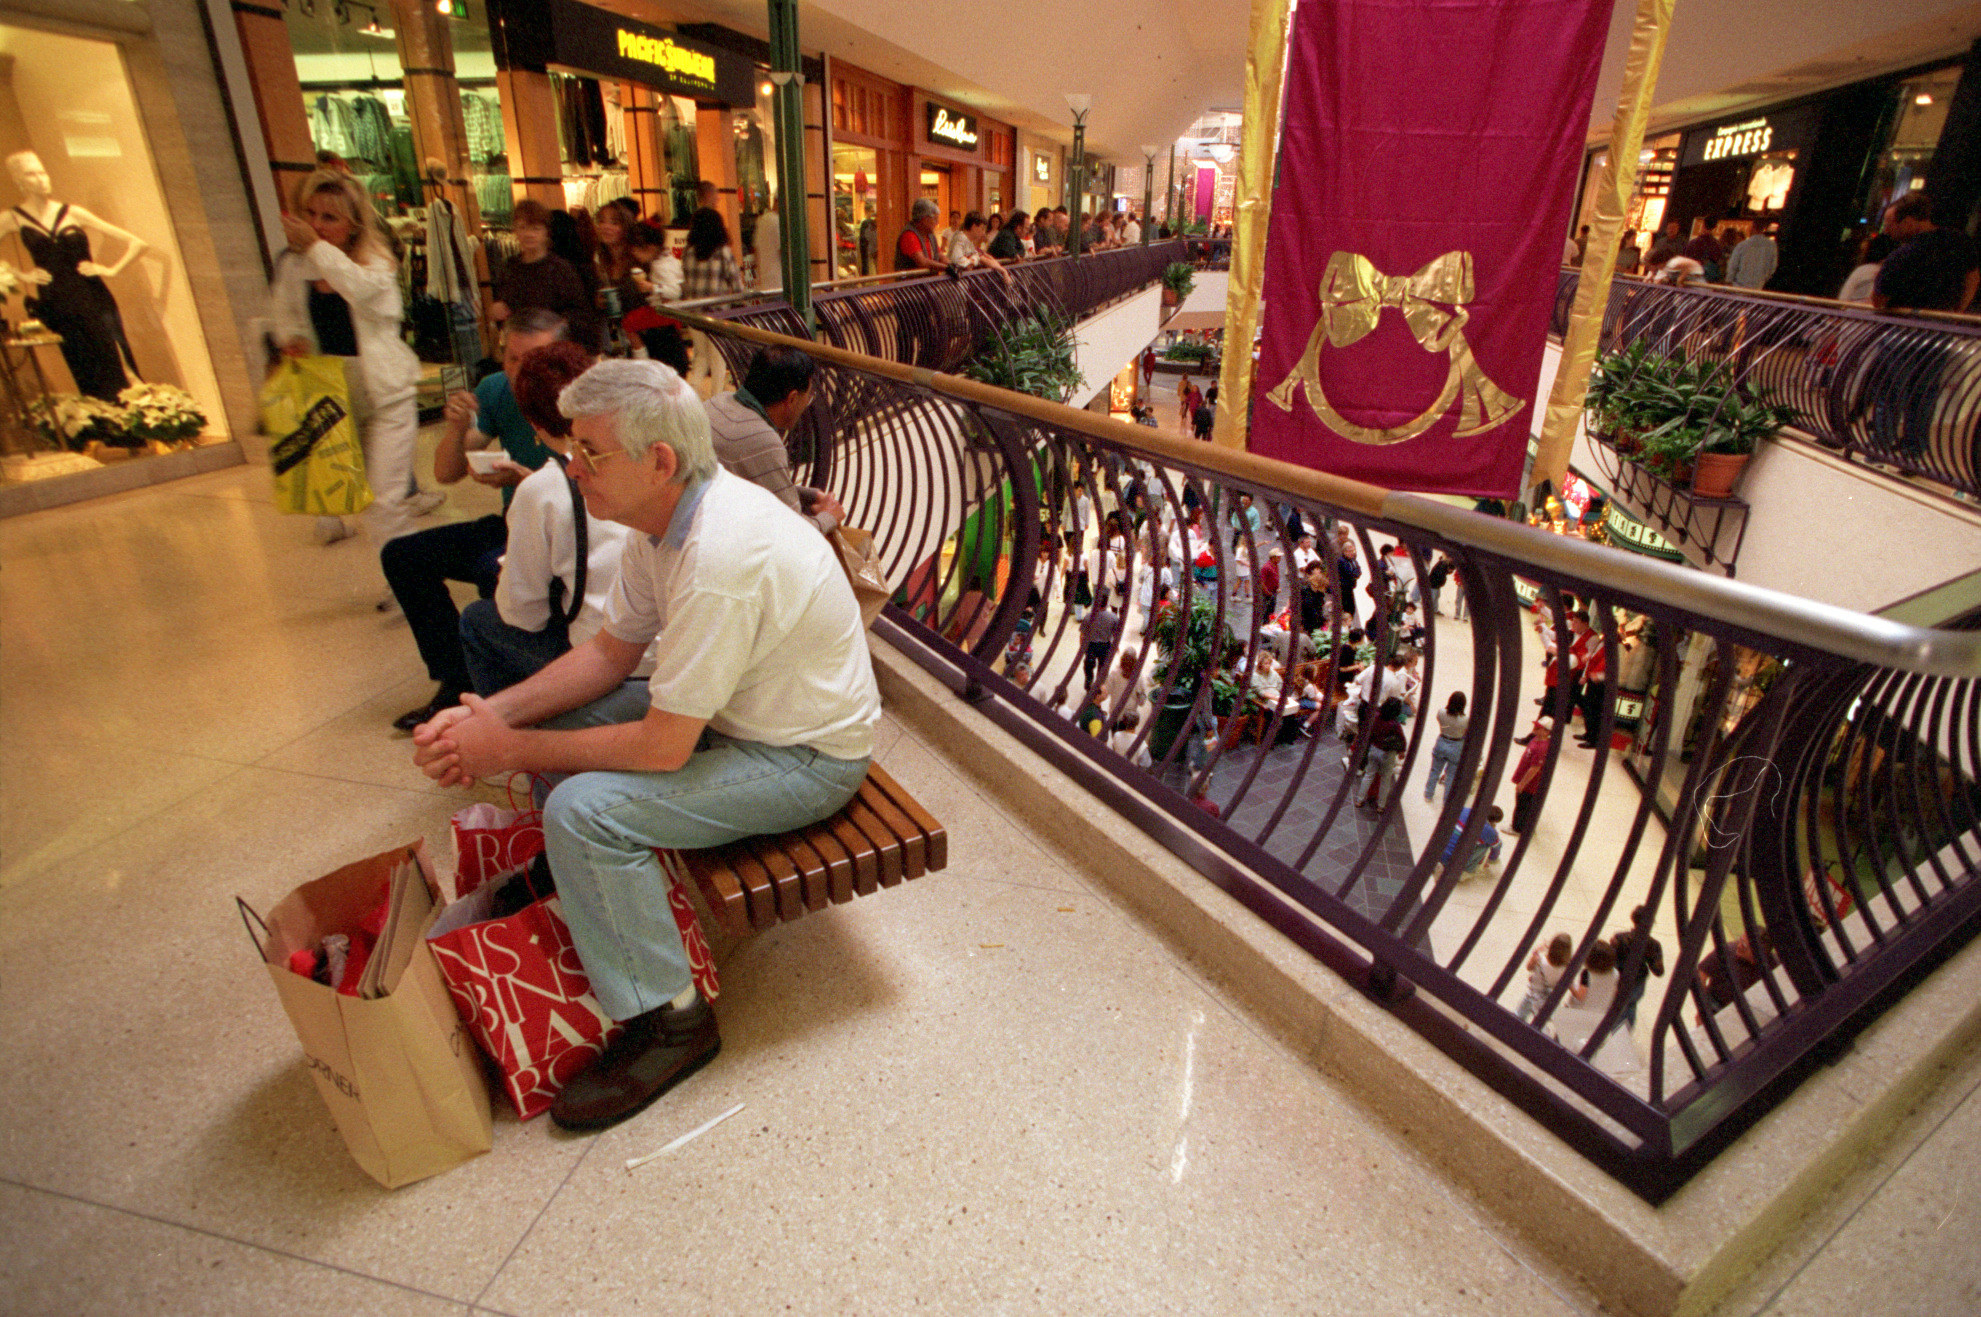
(758, 629)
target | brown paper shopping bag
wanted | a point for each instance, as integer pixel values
(861, 562)
(398, 1072)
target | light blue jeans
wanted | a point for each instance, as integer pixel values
(1445, 752)
(600, 830)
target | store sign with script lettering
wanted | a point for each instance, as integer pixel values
(957, 129)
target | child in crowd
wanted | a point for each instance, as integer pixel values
(1593, 996)
(1126, 728)
(1305, 679)
(1544, 971)
(660, 334)
(1386, 744)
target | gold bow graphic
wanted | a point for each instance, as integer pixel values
(1353, 295)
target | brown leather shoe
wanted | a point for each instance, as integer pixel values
(651, 1054)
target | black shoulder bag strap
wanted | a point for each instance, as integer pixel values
(561, 616)
(579, 525)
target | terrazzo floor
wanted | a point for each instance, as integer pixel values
(989, 1090)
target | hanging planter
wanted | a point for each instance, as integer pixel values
(1680, 420)
(1715, 474)
(1178, 281)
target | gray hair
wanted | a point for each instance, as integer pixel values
(648, 404)
(923, 206)
(538, 320)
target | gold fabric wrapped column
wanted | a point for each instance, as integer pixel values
(1592, 296)
(1251, 208)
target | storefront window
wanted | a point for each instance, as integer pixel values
(756, 174)
(96, 365)
(1650, 192)
(1922, 114)
(1121, 391)
(855, 211)
(591, 126)
(355, 96)
(935, 186)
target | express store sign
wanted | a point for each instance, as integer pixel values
(1738, 139)
(1755, 135)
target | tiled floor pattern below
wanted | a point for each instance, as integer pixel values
(1382, 877)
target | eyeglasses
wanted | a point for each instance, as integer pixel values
(583, 452)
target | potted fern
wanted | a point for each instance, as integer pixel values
(1730, 438)
(1178, 281)
(1186, 648)
(1029, 354)
(1680, 420)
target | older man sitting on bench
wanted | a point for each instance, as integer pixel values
(758, 717)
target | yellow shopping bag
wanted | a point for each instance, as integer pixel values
(319, 463)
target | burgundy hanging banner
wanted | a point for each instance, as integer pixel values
(1428, 157)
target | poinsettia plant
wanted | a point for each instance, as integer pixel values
(161, 412)
(72, 420)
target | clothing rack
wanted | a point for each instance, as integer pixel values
(357, 124)
(592, 189)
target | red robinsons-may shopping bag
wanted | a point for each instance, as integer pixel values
(516, 979)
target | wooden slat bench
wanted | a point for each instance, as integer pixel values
(879, 839)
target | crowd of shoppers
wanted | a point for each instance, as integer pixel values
(994, 240)
(1936, 271)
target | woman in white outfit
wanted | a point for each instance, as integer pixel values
(336, 292)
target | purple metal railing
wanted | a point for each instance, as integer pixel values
(1814, 853)
(937, 322)
(1901, 390)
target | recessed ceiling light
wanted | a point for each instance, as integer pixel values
(1923, 98)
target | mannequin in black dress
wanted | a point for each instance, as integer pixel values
(73, 299)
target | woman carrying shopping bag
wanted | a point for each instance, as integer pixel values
(336, 293)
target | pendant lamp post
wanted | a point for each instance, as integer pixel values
(1169, 195)
(1148, 192)
(1079, 104)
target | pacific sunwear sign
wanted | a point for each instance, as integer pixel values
(577, 36)
(690, 66)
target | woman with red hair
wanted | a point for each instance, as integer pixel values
(560, 562)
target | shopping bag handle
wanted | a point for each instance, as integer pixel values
(509, 788)
(250, 920)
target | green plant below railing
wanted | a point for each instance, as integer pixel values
(1180, 278)
(1031, 354)
(1184, 642)
(1664, 411)
(1189, 349)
